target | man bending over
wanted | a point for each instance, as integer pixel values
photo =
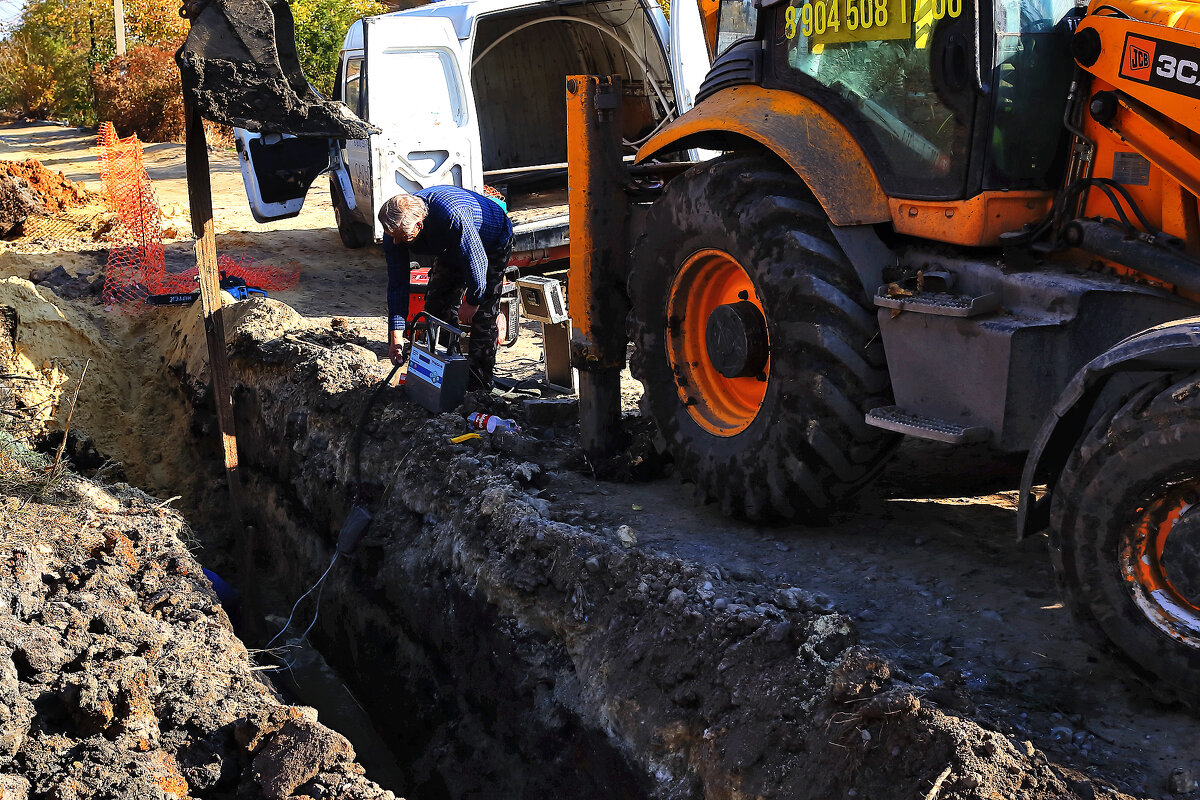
(471, 238)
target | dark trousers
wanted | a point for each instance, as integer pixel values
(444, 295)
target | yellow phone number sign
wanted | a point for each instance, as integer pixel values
(836, 21)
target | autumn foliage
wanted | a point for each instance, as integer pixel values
(140, 93)
(59, 60)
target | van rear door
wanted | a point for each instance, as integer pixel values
(418, 96)
(277, 170)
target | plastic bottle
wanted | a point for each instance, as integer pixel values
(491, 423)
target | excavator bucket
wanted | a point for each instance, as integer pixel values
(239, 67)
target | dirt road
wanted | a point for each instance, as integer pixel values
(926, 562)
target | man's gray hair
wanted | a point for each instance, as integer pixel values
(403, 213)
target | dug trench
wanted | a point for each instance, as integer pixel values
(502, 651)
(504, 640)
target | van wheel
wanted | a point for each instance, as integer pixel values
(755, 342)
(1125, 534)
(354, 233)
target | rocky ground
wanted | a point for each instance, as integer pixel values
(120, 674)
(516, 626)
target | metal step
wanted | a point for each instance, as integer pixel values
(895, 418)
(943, 304)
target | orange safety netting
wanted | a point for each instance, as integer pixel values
(137, 261)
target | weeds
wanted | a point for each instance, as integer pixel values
(26, 473)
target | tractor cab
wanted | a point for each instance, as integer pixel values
(947, 98)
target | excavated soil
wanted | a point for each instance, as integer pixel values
(53, 190)
(27, 189)
(120, 675)
(611, 667)
(515, 626)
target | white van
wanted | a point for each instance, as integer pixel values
(472, 93)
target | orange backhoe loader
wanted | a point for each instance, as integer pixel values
(932, 218)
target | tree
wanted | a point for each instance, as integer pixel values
(47, 63)
(141, 93)
(59, 61)
(321, 27)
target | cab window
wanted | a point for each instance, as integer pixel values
(736, 20)
(1031, 80)
(899, 73)
(352, 93)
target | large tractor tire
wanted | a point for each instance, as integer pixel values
(354, 233)
(1125, 534)
(758, 349)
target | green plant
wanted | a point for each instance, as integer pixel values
(26, 473)
(321, 26)
(44, 74)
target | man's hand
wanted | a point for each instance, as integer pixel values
(398, 349)
(466, 312)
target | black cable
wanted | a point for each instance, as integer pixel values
(1133, 205)
(358, 431)
(1116, 204)
(510, 385)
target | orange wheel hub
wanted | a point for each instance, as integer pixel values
(1160, 561)
(713, 281)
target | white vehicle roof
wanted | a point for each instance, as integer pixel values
(463, 13)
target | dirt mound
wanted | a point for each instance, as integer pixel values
(29, 189)
(51, 344)
(54, 191)
(17, 203)
(120, 676)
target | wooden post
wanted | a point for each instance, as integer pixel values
(119, 25)
(200, 202)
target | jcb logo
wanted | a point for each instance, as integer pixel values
(1170, 66)
(1139, 55)
(1139, 59)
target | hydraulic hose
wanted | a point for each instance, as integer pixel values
(1172, 266)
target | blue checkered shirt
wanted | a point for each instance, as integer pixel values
(460, 229)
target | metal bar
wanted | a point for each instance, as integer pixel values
(595, 288)
(501, 173)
